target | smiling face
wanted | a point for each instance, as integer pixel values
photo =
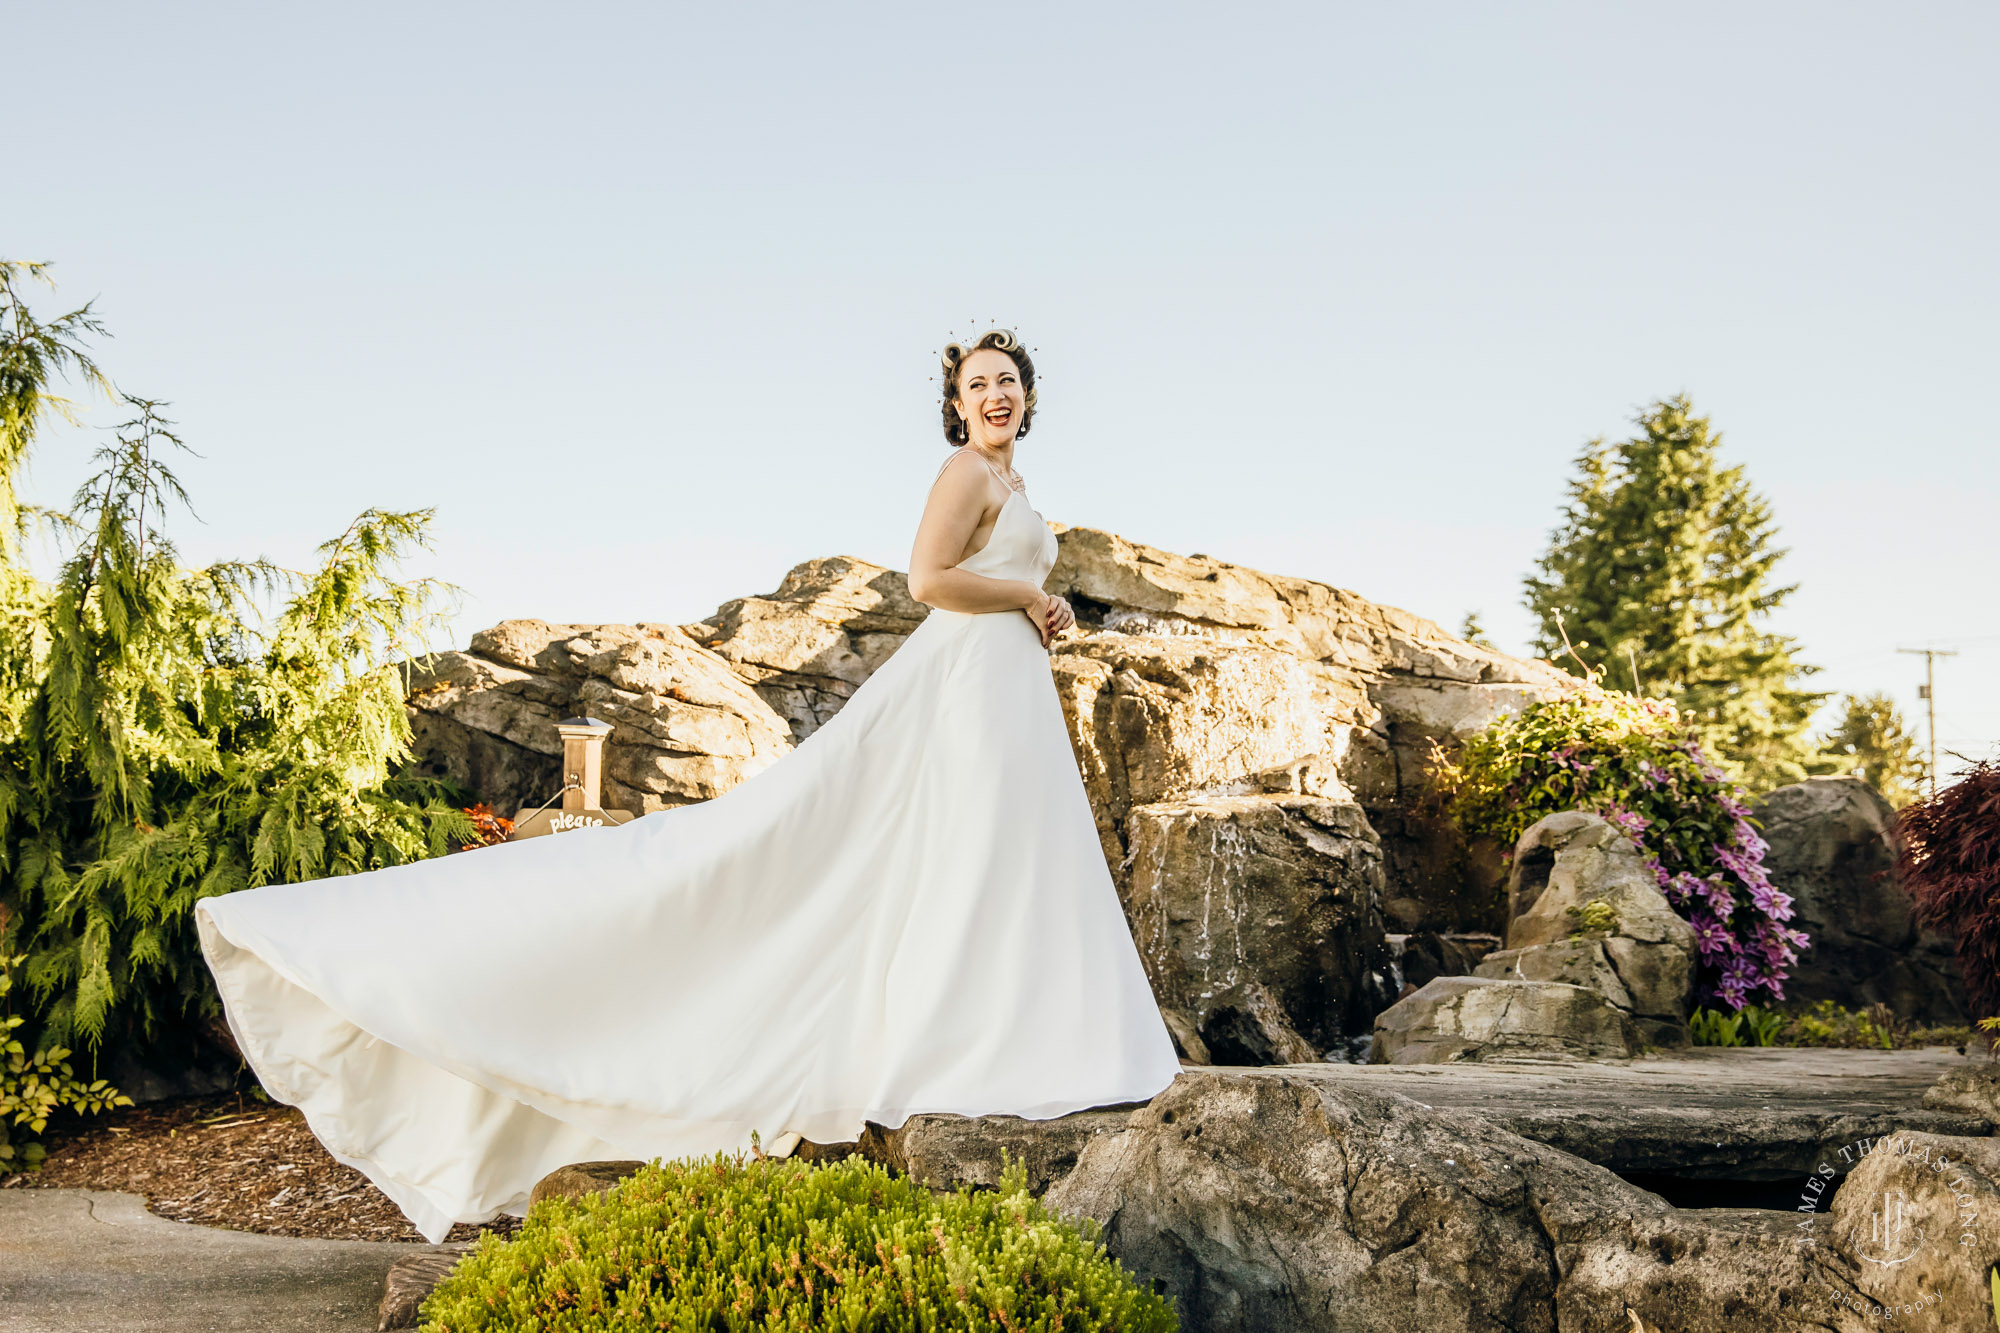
(990, 397)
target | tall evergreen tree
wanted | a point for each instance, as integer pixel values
(1660, 577)
(1872, 742)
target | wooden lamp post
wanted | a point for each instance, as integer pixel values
(583, 778)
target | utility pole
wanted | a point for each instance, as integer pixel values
(1928, 693)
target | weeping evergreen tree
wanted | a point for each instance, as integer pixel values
(33, 356)
(1660, 575)
(174, 732)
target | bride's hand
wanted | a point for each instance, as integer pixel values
(1063, 619)
(1050, 615)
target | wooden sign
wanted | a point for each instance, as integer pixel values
(583, 769)
(534, 823)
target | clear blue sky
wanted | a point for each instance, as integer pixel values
(644, 298)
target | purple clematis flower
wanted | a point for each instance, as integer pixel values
(1711, 937)
(1771, 902)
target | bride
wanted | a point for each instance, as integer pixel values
(909, 912)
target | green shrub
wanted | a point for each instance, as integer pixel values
(1763, 1026)
(1633, 762)
(33, 1087)
(771, 1244)
(1829, 1024)
(1749, 1026)
(1712, 1027)
(1823, 1024)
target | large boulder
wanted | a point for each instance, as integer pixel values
(1582, 907)
(1579, 962)
(1259, 919)
(1267, 1200)
(1152, 718)
(807, 646)
(1722, 1124)
(1739, 1124)
(1833, 849)
(686, 727)
(1374, 690)
(1391, 1199)
(1969, 1089)
(1477, 1018)
(1918, 1220)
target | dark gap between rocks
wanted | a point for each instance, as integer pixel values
(1781, 1195)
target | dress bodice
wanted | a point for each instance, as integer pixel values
(1020, 547)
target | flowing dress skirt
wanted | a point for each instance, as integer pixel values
(909, 912)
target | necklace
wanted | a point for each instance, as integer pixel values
(1011, 478)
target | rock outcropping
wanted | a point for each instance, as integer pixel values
(1272, 1201)
(1479, 1018)
(1253, 747)
(1833, 850)
(1198, 677)
(807, 646)
(1970, 1090)
(1582, 908)
(1259, 920)
(1412, 1199)
(1254, 750)
(1596, 964)
(686, 726)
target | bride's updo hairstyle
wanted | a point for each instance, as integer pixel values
(1002, 340)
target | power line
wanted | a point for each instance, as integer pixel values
(1929, 695)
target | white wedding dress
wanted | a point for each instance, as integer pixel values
(909, 912)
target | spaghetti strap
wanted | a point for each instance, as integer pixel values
(961, 449)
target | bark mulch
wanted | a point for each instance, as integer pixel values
(228, 1161)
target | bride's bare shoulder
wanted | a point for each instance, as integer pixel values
(954, 457)
(969, 476)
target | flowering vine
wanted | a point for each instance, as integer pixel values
(1634, 763)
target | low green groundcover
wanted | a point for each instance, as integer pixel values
(779, 1244)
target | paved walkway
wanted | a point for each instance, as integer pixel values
(92, 1261)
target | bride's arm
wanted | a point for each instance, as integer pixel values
(957, 499)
